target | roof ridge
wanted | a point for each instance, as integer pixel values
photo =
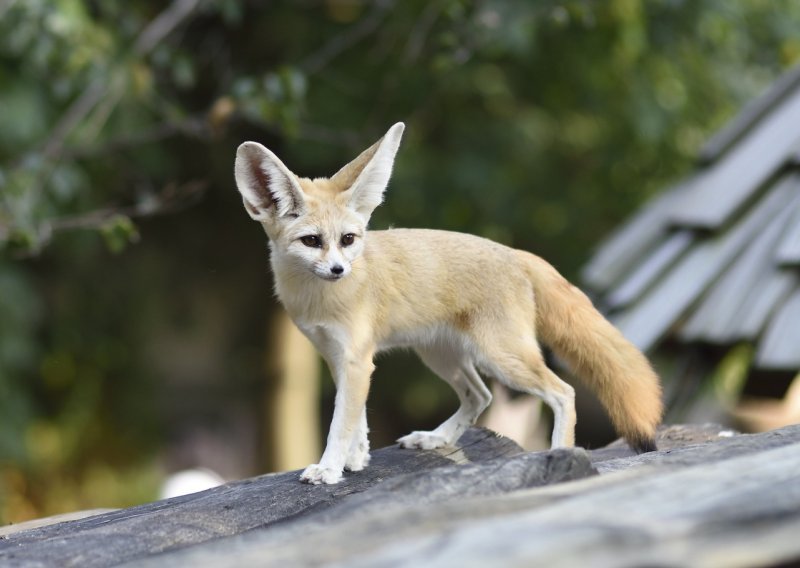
(752, 113)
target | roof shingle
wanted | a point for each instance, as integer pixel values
(715, 259)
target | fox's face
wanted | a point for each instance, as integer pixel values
(318, 224)
(326, 239)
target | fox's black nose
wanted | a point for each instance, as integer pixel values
(337, 269)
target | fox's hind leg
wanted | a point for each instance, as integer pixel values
(472, 393)
(520, 365)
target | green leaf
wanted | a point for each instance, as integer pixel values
(119, 232)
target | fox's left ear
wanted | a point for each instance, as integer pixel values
(269, 190)
(367, 176)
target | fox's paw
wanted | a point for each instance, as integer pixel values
(317, 474)
(358, 458)
(424, 441)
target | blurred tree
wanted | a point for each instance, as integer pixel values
(539, 124)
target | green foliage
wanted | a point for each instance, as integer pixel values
(118, 232)
(539, 124)
(20, 312)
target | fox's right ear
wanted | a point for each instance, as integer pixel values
(268, 188)
(366, 177)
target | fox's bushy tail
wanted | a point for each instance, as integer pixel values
(618, 373)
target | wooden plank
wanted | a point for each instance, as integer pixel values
(763, 305)
(749, 116)
(788, 251)
(716, 318)
(720, 191)
(648, 320)
(779, 348)
(115, 537)
(734, 492)
(650, 269)
(618, 253)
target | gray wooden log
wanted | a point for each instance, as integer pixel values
(741, 508)
(111, 538)
(667, 438)
(724, 447)
(687, 504)
(421, 492)
(739, 512)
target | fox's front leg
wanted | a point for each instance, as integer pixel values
(352, 376)
(358, 457)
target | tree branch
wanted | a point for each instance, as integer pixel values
(171, 198)
(344, 41)
(155, 32)
(163, 25)
(95, 94)
(194, 126)
(419, 34)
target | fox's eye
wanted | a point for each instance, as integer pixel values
(348, 239)
(312, 241)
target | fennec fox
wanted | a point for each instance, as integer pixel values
(463, 303)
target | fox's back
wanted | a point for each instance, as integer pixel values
(429, 252)
(455, 279)
(435, 258)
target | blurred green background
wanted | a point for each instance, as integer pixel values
(135, 293)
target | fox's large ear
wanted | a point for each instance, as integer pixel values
(268, 188)
(367, 176)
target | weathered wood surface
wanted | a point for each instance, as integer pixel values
(708, 498)
(693, 450)
(108, 539)
(54, 520)
(737, 509)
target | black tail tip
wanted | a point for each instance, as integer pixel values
(643, 445)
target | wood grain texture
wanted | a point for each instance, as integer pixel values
(738, 506)
(710, 497)
(234, 508)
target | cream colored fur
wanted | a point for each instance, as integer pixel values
(465, 304)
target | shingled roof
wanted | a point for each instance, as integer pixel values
(715, 258)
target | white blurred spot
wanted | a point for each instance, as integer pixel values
(189, 481)
(726, 434)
